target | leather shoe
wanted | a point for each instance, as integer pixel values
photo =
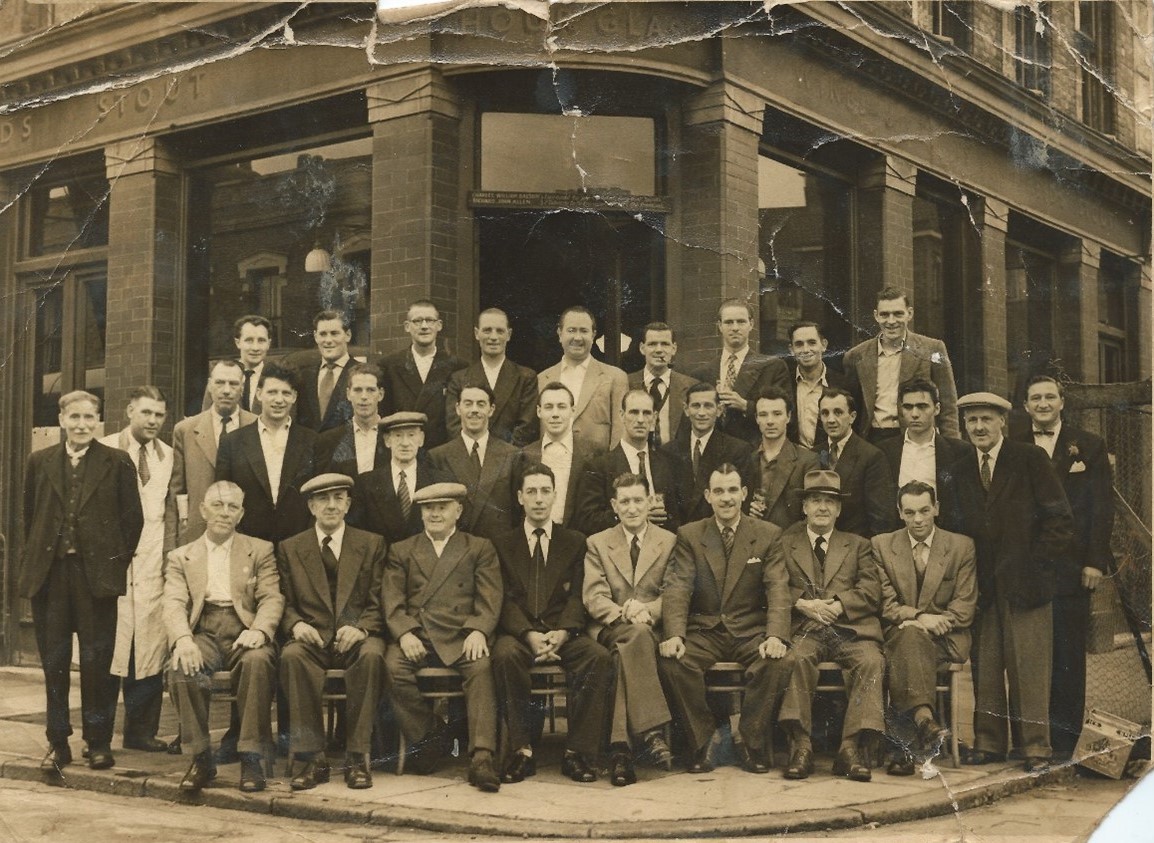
(849, 764)
(1036, 765)
(100, 758)
(315, 771)
(932, 734)
(977, 757)
(357, 775)
(901, 764)
(146, 745)
(428, 754)
(752, 760)
(621, 772)
(657, 750)
(176, 747)
(577, 768)
(800, 764)
(200, 773)
(226, 754)
(700, 763)
(59, 755)
(519, 768)
(481, 773)
(251, 773)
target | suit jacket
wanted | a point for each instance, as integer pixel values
(947, 452)
(721, 448)
(256, 594)
(404, 390)
(583, 453)
(556, 602)
(674, 399)
(782, 503)
(597, 417)
(1022, 527)
(871, 507)
(305, 584)
(758, 371)
(337, 451)
(109, 517)
(950, 585)
(515, 407)
(241, 460)
(610, 579)
(595, 489)
(835, 378)
(922, 357)
(491, 507)
(748, 595)
(850, 575)
(194, 449)
(444, 598)
(1090, 493)
(308, 407)
(376, 507)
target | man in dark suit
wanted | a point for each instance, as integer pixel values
(416, 377)
(489, 467)
(82, 522)
(252, 336)
(739, 372)
(775, 471)
(726, 598)
(323, 403)
(634, 454)
(270, 460)
(514, 387)
(929, 594)
(869, 503)
(836, 593)
(1081, 461)
(442, 594)
(543, 619)
(668, 387)
(1009, 500)
(355, 447)
(561, 449)
(700, 447)
(810, 372)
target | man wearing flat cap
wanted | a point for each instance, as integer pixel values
(442, 594)
(1009, 500)
(331, 576)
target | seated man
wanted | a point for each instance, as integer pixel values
(833, 580)
(929, 594)
(542, 565)
(624, 569)
(330, 576)
(222, 604)
(726, 599)
(441, 594)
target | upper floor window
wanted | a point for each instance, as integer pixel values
(1032, 47)
(1095, 36)
(953, 21)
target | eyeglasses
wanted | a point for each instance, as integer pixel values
(424, 320)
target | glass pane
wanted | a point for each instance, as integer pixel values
(93, 319)
(69, 215)
(48, 378)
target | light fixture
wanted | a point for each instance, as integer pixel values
(318, 260)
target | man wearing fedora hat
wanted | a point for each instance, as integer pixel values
(330, 576)
(442, 594)
(836, 592)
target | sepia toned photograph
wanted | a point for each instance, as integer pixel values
(533, 419)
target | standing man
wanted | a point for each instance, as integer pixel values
(252, 336)
(543, 619)
(929, 594)
(82, 522)
(561, 449)
(836, 592)
(668, 387)
(442, 595)
(416, 377)
(195, 443)
(1082, 463)
(355, 447)
(141, 646)
(868, 505)
(726, 598)
(739, 372)
(776, 470)
(597, 387)
(323, 403)
(514, 387)
(1009, 500)
(878, 366)
(330, 576)
(810, 374)
(222, 604)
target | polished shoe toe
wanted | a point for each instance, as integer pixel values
(849, 764)
(482, 775)
(251, 773)
(700, 762)
(577, 768)
(800, 764)
(202, 771)
(901, 765)
(621, 772)
(519, 768)
(977, 757)
(146, 744)
(657, 750)
(100, 758)
(932, 734)
(315, 771)
(59, 755)
(752, 760)
(357, 775)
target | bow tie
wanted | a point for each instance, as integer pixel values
(1043, 433)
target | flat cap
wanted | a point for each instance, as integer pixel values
(440, 493)
(984, 399)
(404, 419)
(326, 483)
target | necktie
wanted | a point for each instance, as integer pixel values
(731, 371)
(1043, 433)
(325, 391)
(696, 458)
(641, 469)
(658, 403)
(538, 566)
(330, 560)
(833, 449)
(819, 555)
(223, 428)
(920, 562)
(634, 553)
(475, 457)
(987, 475)
(727, 541)
(244, 402)
(403, 495)
(142, 466)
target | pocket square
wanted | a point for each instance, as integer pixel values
(753, 560)
(1077, 467)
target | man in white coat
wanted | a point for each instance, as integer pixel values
(141, 645)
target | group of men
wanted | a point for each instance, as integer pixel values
(634, 529)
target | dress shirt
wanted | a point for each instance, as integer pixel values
(273, 444)
(928, 541)
(703, 438)
(994, 451)
(439, 544)
(919, 462)
(808, 395)
(410, 476)
(483, 440)
(338, 367)
(840, 443)
(813, 537)
(767, 463)
(663, 413)
(153, 454)
(218, 584)
(573, 376)
(423, 362)
(492, 372)
(338, 539)
(233, 423)
(1047, 443)
(889, 373)
(725, 354)
(365, 444)
(532, 539)
(631, 457)
(559, 457)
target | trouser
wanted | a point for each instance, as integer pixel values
(638, 700)
(65, 605)
(1068, 673)
(913, 660)
(143, 699)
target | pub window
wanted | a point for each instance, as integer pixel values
(1032, 48)
(1095, 34)
(67, 210)
(1114, 318)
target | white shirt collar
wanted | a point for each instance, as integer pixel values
(822, 379)
(339, 363)
(721, 526)
(584, 364)
(993, 452)
(493, 367)
(649, 377)
(883, 351)
(631, 451)
(469, 440)
(529, 528)
(439, 544)
(693, 437)
(929, 540)
(906, 440)
(813, 536)
(264, 428)
(641, 536)
(226, 545)
(1057, 428)
(338, 539)
(566, 440)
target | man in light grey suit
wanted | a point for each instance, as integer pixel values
(668, 387)
(597, 387)
(624, 569)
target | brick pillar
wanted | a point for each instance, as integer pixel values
(1076, 311)
(1142, 320)
(416, 201)
(885, 222)
(144, 277)
(716, 237)
(986, 355)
